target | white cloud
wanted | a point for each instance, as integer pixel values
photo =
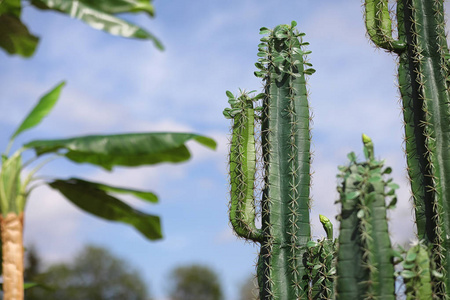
(52, 224)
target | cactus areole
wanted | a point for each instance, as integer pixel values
(285, 139)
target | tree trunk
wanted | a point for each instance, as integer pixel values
(12, 246)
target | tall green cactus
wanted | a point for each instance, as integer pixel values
(365, 267)
(424, 86)
(285, 137)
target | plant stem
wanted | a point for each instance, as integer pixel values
(12, 247)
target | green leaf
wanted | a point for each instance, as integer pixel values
(311, 244)
(293, 24)
(357, 177)
(411, 256)
(97, 202)
(11, 7)
(148, 196)
(109, 6)
(230, 94)
(392, 203)
(407, 274)
(352, 156)
(393, 186)
(28, 285)
(41, 110)
(388, 170)
(264, 30)
(134, 149)
(352, 195)
(100, 15)
(309, 71)
(15, 37)
(259, 96)
(375, 178)
(262, 54)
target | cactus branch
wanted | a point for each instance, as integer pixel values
(242, 164)
(379, 26)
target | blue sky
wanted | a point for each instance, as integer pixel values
(118, 85)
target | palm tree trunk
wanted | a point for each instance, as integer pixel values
(12, 247)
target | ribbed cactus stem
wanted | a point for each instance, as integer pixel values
(286, 152)
(365, 259)
(423, 80)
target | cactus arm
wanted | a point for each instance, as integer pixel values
(378, 24)
(242, 164)
(365, 261)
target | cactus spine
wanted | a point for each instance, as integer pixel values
(285, 138)
(423, 79)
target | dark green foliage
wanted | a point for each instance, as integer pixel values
(195, 282)
(94, 274)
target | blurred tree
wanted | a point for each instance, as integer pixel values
(32, 263)
(194, 282)
(33, 267)
(249, 289)
(95, 274)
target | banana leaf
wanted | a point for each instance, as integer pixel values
(143, 195)
(15, 37)
(40, 111)
(94, 200)
(128, 150)
(101, 15)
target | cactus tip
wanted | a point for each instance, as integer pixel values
(366, 139)
(327, 226)
(323, 219)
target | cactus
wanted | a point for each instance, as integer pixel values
(285, 138)
(321, 263)
(270, 137)
(365, 267)
(423, 76)
(417, 273)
